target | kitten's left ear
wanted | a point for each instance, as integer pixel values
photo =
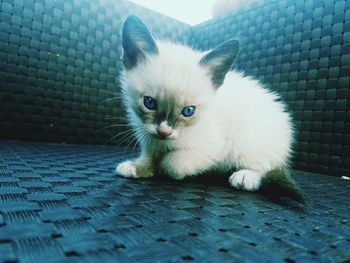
(219, 60)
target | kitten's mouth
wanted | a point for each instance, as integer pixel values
(162, 138)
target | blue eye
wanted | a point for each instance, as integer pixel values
(188, 111)
(149, 103)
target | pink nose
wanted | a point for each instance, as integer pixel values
(163, 133)
(164, 129)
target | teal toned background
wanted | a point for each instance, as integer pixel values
(60, 61)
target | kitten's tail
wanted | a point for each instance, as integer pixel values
(278, 183)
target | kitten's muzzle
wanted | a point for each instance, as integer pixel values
(163, 134)
(164, 130)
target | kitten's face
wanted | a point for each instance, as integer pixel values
(169, 86)
(168, 94)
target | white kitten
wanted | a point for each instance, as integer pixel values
(192, 116)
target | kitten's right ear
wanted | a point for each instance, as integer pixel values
(137, 42)
(219, 61)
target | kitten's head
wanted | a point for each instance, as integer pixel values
(169, 86)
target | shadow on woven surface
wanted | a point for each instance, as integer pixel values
(63, 202)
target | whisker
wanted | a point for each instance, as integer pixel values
(142, 137)
(110, 99)
(118, 134)
(139, 133)
(125, 138)
(114, 125)
(110, 92)
(128, 146)
(115, 118)
(128, 136)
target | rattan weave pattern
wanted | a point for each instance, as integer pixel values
(60, 63)
(302, 50)
(62, 203)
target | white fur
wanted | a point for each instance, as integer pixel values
(246, 179)
(126, 169)
(239, 126)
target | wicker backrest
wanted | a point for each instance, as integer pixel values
(59, 65)
(302, 50)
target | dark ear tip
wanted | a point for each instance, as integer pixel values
(132, 20)
(232, 43)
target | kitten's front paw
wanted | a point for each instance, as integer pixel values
(246, 180)
(126, 169)
(172, 166)
(135, 169)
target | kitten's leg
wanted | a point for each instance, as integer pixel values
(182, 163)
(139, 168)
(246, 180)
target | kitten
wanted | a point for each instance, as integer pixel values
(192, 116)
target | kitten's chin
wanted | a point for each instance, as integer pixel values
(163, 139)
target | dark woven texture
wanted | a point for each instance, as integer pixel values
(63, 202)
(59, 64)
(302, 50)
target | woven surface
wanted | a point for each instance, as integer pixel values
(59, 64)
(302, 50)
(63, 202)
